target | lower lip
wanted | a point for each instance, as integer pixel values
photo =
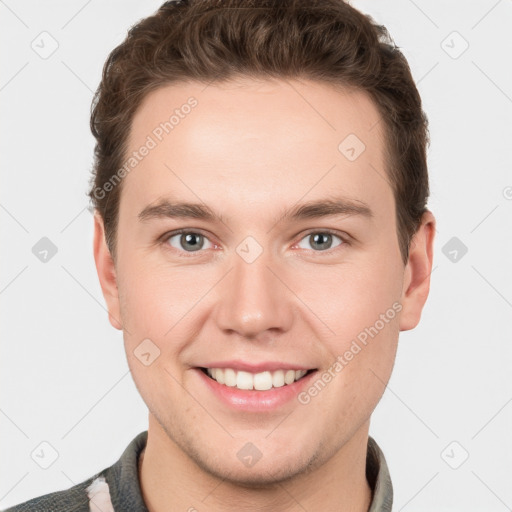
(252, 400)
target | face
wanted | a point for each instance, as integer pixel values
(257, 242)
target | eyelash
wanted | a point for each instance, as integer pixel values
(184, 254)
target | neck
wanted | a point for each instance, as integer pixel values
(171, 481)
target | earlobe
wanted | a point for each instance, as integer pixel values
(106, 272)
(417, 273)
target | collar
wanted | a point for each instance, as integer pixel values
(377, 474)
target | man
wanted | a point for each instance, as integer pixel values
(261, 238)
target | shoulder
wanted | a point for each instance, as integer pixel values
(117, 485)
(74, 499)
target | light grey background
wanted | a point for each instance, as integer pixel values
(64, 376)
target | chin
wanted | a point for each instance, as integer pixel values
(270, 470)
(267, 475)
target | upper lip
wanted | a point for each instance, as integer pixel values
(268, 366)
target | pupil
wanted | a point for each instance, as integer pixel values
(317, 239)
(189, 239)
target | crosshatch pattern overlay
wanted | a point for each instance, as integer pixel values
(69, 406)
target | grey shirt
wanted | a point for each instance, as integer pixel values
(117, 488)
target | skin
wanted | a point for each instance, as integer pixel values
(249, 150)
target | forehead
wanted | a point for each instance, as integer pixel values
(265, 141)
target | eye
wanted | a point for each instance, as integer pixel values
(187, 241)
(193, 241)
(321, 241)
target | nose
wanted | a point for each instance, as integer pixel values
(254, 301)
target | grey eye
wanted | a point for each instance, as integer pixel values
(320, 241)
(189, 241)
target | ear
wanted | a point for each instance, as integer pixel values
(417, 273)
(106, 272)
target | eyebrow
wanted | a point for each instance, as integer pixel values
(310, 210)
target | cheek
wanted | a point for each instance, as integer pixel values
(348, 298)
(360, 305)
(155, 297)
(153, 304)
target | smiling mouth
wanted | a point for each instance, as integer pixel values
(258, 381)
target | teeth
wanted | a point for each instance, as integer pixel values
(229, 377)
(262, 381)
(289, 377)
(278, 378)
(244, 380)
(219, 376)
(259, 381)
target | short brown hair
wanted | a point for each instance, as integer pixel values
(215, 40)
